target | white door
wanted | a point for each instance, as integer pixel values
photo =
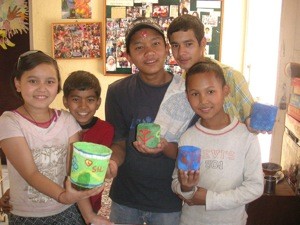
(261, 56)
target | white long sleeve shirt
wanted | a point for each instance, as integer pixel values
(230, 170)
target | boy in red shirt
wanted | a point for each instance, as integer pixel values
(82, 97)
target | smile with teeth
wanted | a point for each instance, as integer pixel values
(150, 61)
(83, 113)
(40, 96)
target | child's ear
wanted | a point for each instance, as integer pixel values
(17, 85)
(226, 90)
(203, 42)
(127, 56)
(65, 102)
(98, 103)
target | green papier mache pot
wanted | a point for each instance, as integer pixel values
(89, 164)
(149, 134)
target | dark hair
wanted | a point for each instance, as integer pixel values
(184, 11)
(187, 22)
(204, 67)
(195, 13)
(81, 80)
(31, 59)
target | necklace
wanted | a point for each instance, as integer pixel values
(37, 123)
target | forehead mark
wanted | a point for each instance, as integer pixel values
(144, 34)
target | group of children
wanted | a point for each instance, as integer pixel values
(147, 187)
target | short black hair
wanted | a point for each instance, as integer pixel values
(81, 80)
(187, 22)
(206, 66)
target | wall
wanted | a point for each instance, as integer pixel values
(233, 38)
(44, 13)
(289, 51)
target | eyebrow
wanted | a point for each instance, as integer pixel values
(185, 41)
(158, 37)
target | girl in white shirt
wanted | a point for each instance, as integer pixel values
(36, 140)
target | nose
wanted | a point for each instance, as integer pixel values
(203, 99)
(181, 50)
(149, 51)
(42, 86)
(82, 104)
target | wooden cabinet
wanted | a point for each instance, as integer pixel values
(282, 208)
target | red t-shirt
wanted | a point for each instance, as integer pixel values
(101, 133)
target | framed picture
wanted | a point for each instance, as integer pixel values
(76, 40)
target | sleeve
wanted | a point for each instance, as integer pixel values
(9, 126)
(113, 114)
(177, 189)
(73, 127)
(239, 90)
(250, 189)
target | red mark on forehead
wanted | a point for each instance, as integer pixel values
(144, 34)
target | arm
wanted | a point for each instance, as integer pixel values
(240, 96)
(118, 152)
(88, 214)
(182, 185)
(117, 158)
(250, 189)
(14, 147)
(5, 206)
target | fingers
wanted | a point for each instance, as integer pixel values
(72, 195)
(188, 179)
(144, 149)
(187, 201)
(112, 169)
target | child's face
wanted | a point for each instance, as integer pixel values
(206, 95)
(148, 51)
(186, 49)
(38, 86)
(82, 105)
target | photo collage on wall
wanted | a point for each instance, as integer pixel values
(116, 27)
(119, 17)
(76, 40)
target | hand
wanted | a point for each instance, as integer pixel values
(141, 147)
(12, 14)
(71, 195)
(250, 129)
(112, 169)
(188, 179)
(199, 197)
(4, 203)
(100, 220)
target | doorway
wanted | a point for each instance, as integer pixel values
(261, 56)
